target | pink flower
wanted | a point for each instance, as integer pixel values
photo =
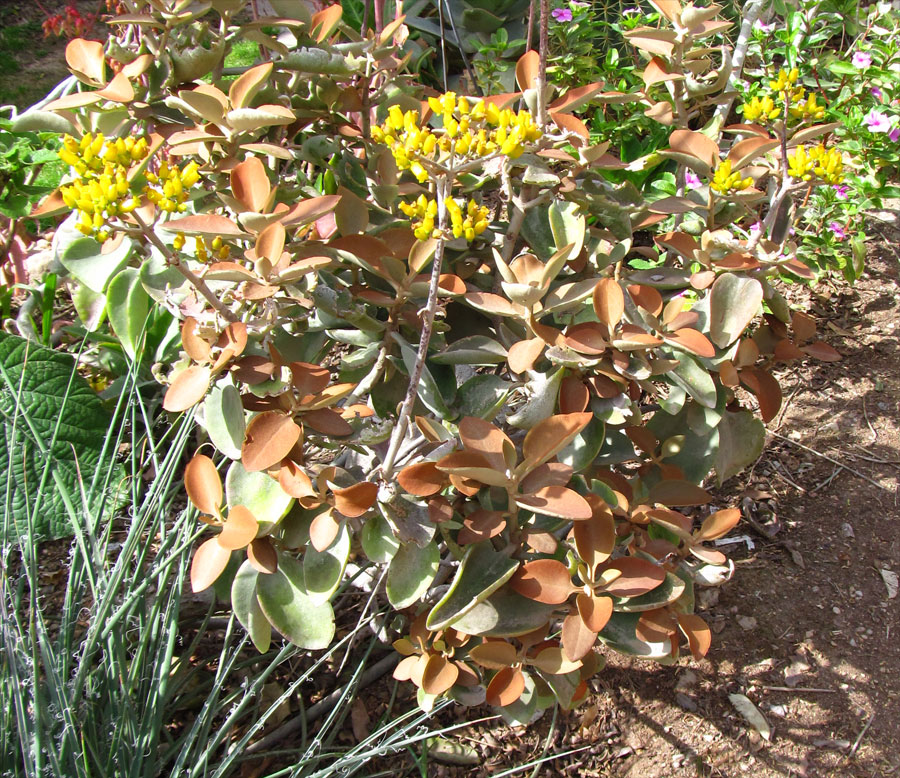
(861, 60)
(877, 121)
(838, 230)
(763, 27)
(840, 191)
(894, 135)
(692, 180)
(630, 11)
(877, 93)
(561, 14)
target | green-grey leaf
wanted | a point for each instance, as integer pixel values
(127, 306)
(83, 257)
(482, 572)
(734, 301)
(694, 379)
(53, 423)
(482, 395)
(567, 223)
(585, 446)
(223, 416)
(263, 495)
(247, 609)
(741, 440)
(411, 572)
(474, 350)
(288, 607)
(429, 392)
(619, 634)
(89, 305)
(504, 614)
(378, 541)
(323, 570)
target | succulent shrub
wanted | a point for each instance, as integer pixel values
(424, 345)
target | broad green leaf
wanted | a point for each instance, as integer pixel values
(741, 440)
(53, 423)
(263, 495)
(504, 614)
(411, 572)
(87, 260)
(585, 447)
(734, 301)
(289, 608)
(223, 416)
(89, 305)
(247, 609)
(482, 572)
(541, 393)
(323, 570)
(127, 306)
(378, 541)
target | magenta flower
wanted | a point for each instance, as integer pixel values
(861, 60)
(764, 28)
(561, 14)
(838, 230)
(894, 135)
(692, 180)
(877, 121)
(877, 93)
(840, 191)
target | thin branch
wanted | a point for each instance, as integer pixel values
(544, 45)
(198, 283)
(399, 432)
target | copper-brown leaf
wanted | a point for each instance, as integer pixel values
(695, 144)
(718, 524)
(484, 438)
(421, 479)
(203, 485)
(239, 528)
(85, 59)
(767, 391)
(573, 395)
(609, 302)
(481, 525)
(577, 639)
(195, 346)
(528, 70)
(524, 353)
(697, 632)
(655, 626)
(638, 576)
(269, 439)
(327, 422)
(550, 436)
(595, 538)
(439, 675)
(559, 501)
(693, 341)
(323, 530)
(506, 687)
(210, 559)
(678, 493)
(594, 610)
(494, 655)
(187, 388)
(250, 184)
(543, 580)
(244, 88)
(262, 555)
(355, 500)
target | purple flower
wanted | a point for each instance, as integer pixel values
(894, 134)
(877, 121)
(838, 231)
(692, 180)
(877, 93)
(861, 60)
(561, 14)
(840, 191)
(755, 227)
(763, 27)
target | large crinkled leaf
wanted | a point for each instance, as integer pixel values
(54, 427)
(482, 572)
(247, 609)
(289, 608)
(411, 572)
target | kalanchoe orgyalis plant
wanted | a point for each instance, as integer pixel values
(413, 336)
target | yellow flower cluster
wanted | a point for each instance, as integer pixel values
(807, 109)
(826, 164)
(471, 130)
(786, 80)
(724, 181)
(463, 223)
(203, 250)
(173, 183)
(100, 191)
(761, 109)
(470, 223)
